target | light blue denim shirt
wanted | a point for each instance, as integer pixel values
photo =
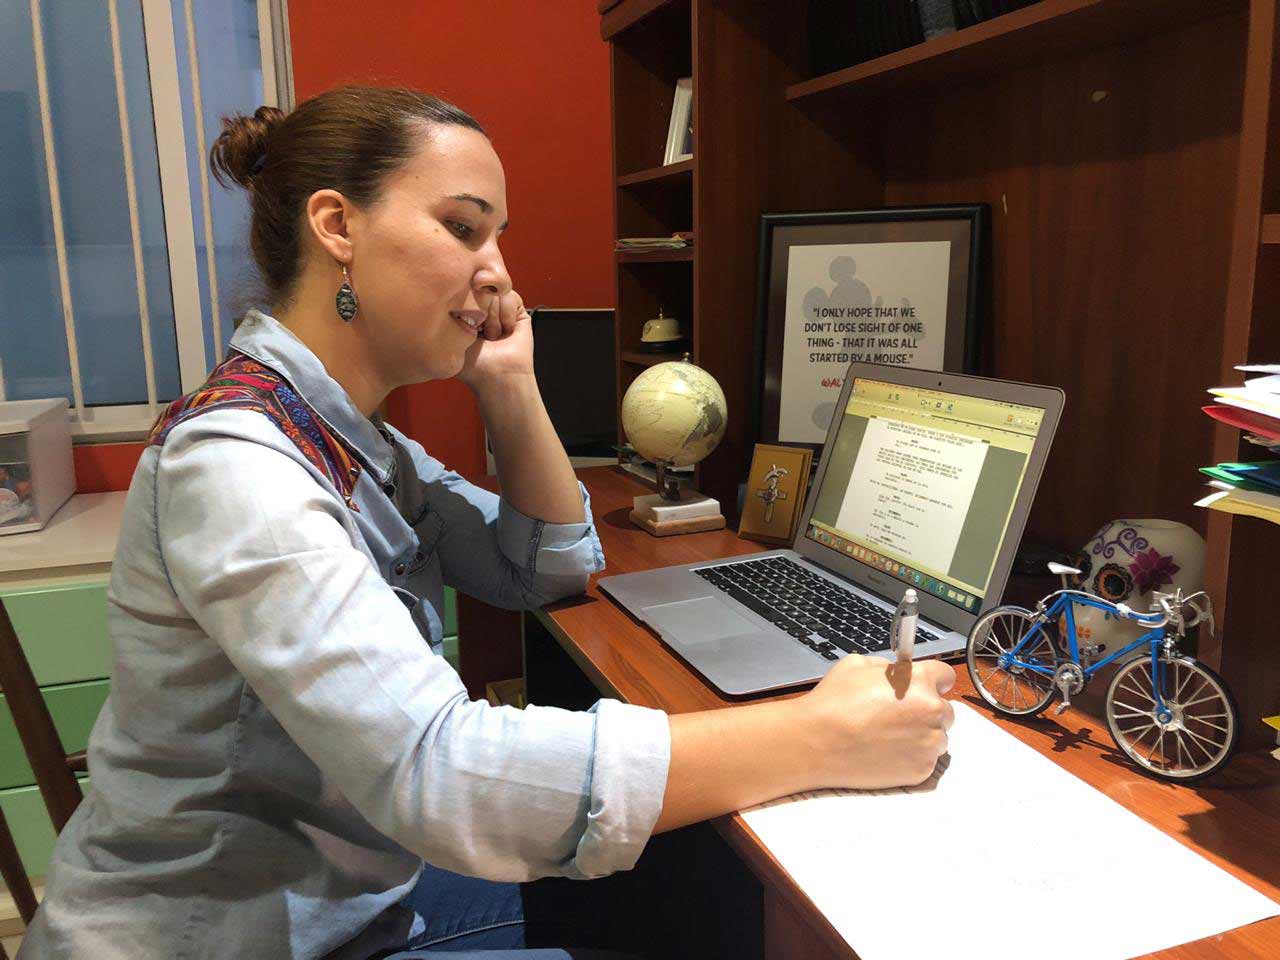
(283, 745)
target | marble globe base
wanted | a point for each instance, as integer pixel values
(692, 513)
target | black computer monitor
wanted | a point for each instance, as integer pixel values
(573, 357)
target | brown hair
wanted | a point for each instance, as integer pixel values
(349, 139)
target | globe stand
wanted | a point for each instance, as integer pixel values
(674, 509)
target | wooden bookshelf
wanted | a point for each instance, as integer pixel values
(1128, 151)
(651, 49)
(1022, 38)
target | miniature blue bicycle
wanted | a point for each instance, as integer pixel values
(1167, 712)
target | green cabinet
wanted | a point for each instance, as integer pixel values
(63, 630)
(29, 823)
(74, 707)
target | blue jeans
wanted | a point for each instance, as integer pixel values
(468, 918)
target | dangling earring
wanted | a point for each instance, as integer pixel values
(346, 299)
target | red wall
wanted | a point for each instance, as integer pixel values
(101, 467)
(535, 73)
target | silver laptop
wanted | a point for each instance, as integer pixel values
(925, 481)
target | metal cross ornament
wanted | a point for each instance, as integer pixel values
(771, 494)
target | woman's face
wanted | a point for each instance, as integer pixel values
(425, 262)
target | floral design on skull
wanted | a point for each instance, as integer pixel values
(1152, 569)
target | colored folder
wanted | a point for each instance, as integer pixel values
(1219, 474)
(1259, 423)
(1263, 476)
(1250, 503)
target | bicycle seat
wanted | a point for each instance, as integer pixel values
(1058, 569)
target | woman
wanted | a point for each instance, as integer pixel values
(283, 747)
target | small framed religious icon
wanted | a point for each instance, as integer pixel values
(776, 488)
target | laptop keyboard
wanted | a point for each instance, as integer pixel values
(818, 613)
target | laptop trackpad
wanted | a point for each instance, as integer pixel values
(703, 619)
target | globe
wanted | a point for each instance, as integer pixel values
(674, 413)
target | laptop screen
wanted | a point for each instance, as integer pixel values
(921, 484)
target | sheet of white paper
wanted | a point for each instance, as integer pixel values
(1267, 384)
(1003, 855)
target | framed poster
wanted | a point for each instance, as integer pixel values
(900, 285)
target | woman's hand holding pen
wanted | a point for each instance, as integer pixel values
(879, 736)
(851, 730)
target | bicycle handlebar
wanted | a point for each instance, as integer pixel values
(1147, 619)
(1173, 603)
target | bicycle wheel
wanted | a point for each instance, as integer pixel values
(1011, 689)
(1197, 735)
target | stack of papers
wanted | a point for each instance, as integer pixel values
(1251, 489)
(676, 241)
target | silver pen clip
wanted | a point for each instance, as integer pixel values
(907, 607)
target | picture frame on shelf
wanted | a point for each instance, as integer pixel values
(776, 487)
(680, 129)
(897, 285)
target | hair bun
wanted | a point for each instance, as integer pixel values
(238, 152)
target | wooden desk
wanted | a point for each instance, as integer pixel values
(1235, 821)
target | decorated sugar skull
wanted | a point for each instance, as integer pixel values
(1128, 561)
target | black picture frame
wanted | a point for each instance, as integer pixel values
(966, 225)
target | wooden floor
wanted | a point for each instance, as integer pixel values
(10, 922)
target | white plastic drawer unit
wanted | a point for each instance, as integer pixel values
(37, 475)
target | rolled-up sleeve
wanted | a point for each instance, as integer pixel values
(493, 552)
(628, 745)
(262, 557)
(551, 549)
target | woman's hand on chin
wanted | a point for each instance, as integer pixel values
(504, 346)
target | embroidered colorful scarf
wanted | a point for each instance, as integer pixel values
(242, 382)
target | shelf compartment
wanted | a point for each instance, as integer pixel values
(1018, 39)
(656, 175)
(643, 291)
(655, 208)
(647, 61)
(636, 359)
(684, 254)
(1271, 228)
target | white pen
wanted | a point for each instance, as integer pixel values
(902, 630)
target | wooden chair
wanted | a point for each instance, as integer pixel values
(54, 769)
